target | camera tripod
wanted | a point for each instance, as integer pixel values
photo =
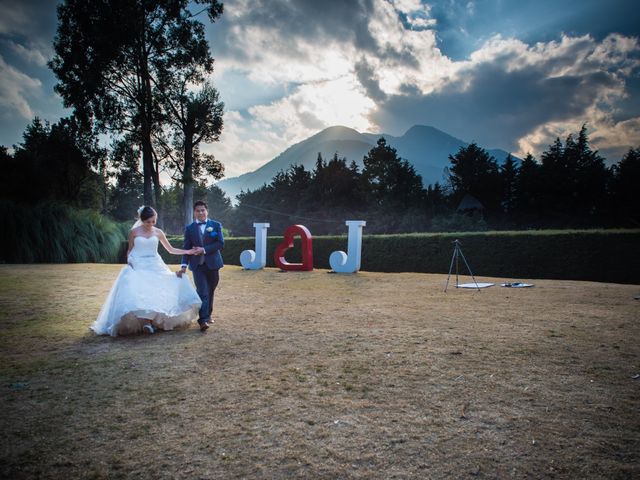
(457, 253)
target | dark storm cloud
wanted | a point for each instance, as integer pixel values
(367, 78)
(290, 23)
(463, 25)
(495, 106)
(27, 29)
(32, 19)
(491, 102)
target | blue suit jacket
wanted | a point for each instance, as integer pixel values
(212, 242)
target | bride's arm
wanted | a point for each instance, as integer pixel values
(169, 248)
(130, 239)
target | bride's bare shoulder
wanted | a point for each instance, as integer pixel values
(139, 232)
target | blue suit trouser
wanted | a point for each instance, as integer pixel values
(206, 281)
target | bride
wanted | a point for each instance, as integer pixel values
(147, 295)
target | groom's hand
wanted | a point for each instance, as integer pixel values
(181, 272)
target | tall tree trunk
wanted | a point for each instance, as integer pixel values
(188, 179)
(146, 111)
(147, 166)
(157, 190)
(104, 188)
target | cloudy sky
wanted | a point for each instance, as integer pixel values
(510, 74)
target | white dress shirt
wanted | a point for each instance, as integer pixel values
(201, 227)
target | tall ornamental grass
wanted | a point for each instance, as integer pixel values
(56, 233)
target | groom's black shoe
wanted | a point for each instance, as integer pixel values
(204, 326)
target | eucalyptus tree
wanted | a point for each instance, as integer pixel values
(110, 56)
(193, 117)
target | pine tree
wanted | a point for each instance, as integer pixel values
(575, 180)
(625, 182)
(527, 190)
(390, 180)
(509, 174)
(473, 171)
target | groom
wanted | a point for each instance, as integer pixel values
(207, 235)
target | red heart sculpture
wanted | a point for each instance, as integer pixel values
(287, 243)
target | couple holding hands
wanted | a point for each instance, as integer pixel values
(147, 295)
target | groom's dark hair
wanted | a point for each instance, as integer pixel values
(200, 202)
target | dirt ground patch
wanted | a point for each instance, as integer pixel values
(323, 376)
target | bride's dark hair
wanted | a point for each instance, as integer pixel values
(146, 213)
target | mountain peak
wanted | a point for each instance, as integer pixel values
(336, 132)
(421, 128)
(421, 131)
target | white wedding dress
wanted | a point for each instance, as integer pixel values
(147, 289)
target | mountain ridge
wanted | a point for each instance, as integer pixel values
(425, 147)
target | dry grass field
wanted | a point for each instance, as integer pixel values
(322, 376)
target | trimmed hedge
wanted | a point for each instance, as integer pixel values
(596, 255)
(56, 233)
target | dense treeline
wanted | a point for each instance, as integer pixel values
(387, 193)
(570, 187)
(63, 164)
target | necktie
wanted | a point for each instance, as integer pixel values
(201, 261)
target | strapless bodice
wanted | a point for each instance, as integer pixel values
(145, 246)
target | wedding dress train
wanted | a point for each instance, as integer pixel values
(147, 289)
